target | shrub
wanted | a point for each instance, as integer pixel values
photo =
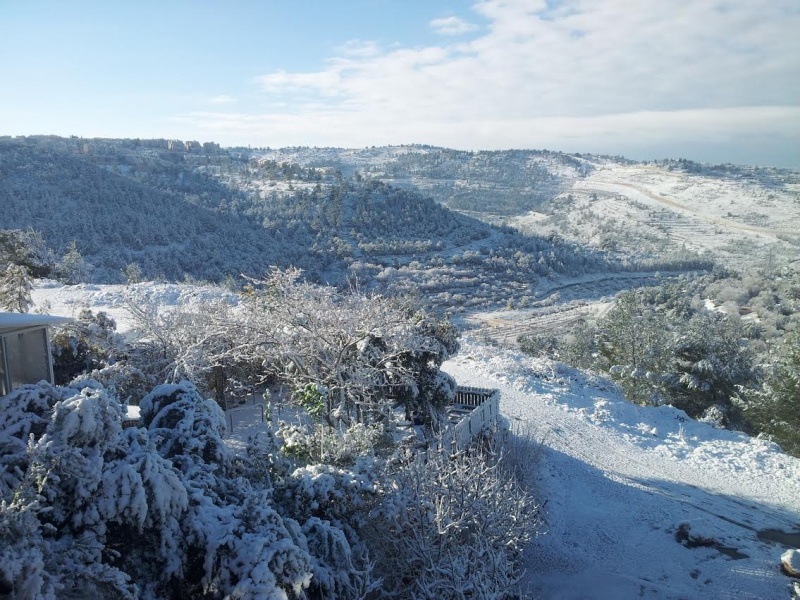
(452, 527)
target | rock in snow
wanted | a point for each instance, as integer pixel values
(790, 560)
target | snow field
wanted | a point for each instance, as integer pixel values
(64, 300)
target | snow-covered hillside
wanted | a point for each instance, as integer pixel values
(647, 210)
(625, 489)
(620, 481)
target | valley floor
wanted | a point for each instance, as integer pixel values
(619, 480)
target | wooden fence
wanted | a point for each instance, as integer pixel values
(474, 410)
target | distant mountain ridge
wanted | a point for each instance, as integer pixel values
(181, 209)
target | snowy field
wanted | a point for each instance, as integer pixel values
(619, 480)
(53, 297)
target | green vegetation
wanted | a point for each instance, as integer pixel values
(723, 348)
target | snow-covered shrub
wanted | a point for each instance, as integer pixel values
(24, 412)
(451, 527)
(340, 446)
(88, 344)
(91, 510)
(714, 416)
(337, 495)
(233, 541)
(78, 483)
(187, 427)
(23, 574)
(334, 504)
(127, 382)
(340, 571)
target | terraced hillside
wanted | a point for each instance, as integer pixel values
(742, 219)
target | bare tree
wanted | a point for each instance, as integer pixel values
(348, 351)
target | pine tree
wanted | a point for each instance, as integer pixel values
(73, 267)
(774, 409)
(632, 345)
(15, 289)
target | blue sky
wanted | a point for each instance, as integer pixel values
(713, 80)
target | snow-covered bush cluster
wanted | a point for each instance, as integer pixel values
(167, 510)
(92, 510)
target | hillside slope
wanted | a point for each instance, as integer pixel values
(743, 218)
(620, 480)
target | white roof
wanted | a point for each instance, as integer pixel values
(13, 321)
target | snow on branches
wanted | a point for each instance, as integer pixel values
(361, 350)
(90, 509)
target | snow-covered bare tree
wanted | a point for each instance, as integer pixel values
(350, 351)
(360, 350)
(184, 341)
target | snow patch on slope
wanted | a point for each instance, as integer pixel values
(621, 479)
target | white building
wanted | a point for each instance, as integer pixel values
(25, 349)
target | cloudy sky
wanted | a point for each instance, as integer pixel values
(712, 80)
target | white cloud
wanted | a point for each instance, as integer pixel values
(323, 82)
(452, 26)
(359, 48)
(222, 99)
(579, 71)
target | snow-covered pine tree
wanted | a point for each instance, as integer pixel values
(774, 408)
(72, 267)
(15, 289)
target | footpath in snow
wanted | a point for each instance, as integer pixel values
(623, 484)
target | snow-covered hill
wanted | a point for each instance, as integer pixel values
(741, 219)
(620, 481)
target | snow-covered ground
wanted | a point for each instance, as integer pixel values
(55, 298)
(619, 480)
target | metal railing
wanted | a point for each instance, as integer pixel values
(257, 407)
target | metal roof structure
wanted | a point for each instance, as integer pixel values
(16, 321)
